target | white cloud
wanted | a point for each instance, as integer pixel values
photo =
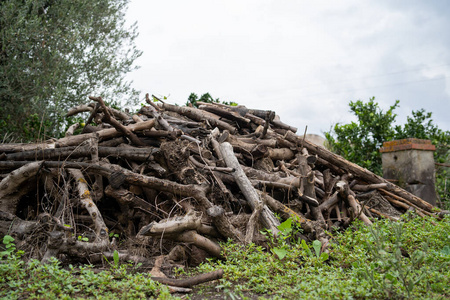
(306, 60)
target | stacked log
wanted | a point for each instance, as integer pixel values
(176, 176)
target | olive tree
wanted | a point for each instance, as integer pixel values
(55, 53)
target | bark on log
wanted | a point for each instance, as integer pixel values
(117, 125)
(97, 187)
(198, 115)
(72, 129)
(102, 135)
(18, 147)
(278, 207)
(200, 241)
(12, 183)
(80, 109)
(125, 197)
(358, 211)
(189, 282)
(308, 184)
(87, 202)
(150, 110)
(57, 241)
(13, 225)
(223, 112)
(73, 152)
(267, 217)
(252, 224)
(217, 213)
(252, 173)
(191, 221)
(369, 187)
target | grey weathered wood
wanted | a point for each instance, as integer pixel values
(267, 217)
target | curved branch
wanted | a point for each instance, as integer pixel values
(188, 282)
(12, 183)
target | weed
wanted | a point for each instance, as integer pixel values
(318, 254)
(10, 247)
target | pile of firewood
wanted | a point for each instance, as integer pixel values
(181, 177)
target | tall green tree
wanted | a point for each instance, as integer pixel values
(53, 54)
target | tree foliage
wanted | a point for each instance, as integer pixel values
(53, 54)
(207, 98)
(360, 141)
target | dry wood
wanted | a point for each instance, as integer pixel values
(12, 183)
(79, 109)
(102, 135)
(369, 187)
(286, 213)
(406, 202)
(219, 218)
(282, 125)
(274, 177)
(252, 224)
(200, 241)
(269, 142)
(189, 282)
(191, 221)
(15, 226)
(267, 217)
(308, 184)
(199, 115)
(87, 202)
(162, 133)
(73, 152)
(174, 191)
(17, 147)
(117, 125)
(364, 174)
(255, 119)
(98, 184)
(151, 110)
(223, 112)
(93, 115)
(329, 203)
(72, 129)
(197, 192)
(63, 245)
(383, 215)
(358, 211)
(125, 197)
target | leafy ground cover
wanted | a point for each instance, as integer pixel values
(390, 260)
(34, 280)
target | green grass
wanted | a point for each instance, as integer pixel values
(362, 263)
(34, 280)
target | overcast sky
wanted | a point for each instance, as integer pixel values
(303, 59)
